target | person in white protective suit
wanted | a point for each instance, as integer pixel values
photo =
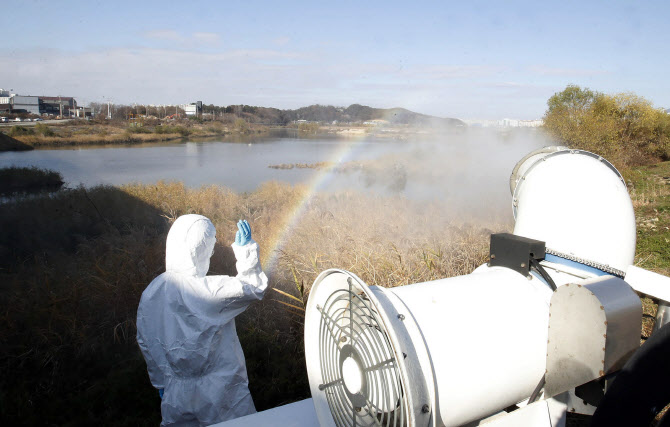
(186, 326)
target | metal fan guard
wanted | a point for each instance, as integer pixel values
(350, 327)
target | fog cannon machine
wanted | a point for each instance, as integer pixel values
(540, 330)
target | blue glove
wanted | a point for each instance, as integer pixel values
(160, 392)
(243, 235)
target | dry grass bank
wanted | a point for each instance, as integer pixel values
(73, 266)
(115, 138)
(81, 132)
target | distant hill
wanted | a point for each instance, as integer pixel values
(354, 113)
(363, 113)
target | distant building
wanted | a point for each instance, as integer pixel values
(57, 105)
(193, 109)
(505, 123)
(530, 123)
(508, 123)
(513, 123)
(53, 105)
(190, 109)
(376, 122)
(25, 104)
(82, 112)
(5, 100)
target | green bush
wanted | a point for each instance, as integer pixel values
(624, 128)
(172, 129)
(20, 131)
(137, 129)
(44, 130)
(241, 126)
(311, 128)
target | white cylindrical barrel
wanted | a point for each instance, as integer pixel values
(577, 203)
(486, 334)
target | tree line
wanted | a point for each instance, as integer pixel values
(324, 114)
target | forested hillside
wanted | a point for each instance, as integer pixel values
(354, 113)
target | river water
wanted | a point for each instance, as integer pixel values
(470, 168)
(239, 165)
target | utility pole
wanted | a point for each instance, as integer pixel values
(109, 111)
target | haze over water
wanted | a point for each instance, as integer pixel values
(470, 169)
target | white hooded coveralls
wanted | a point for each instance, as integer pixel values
(186, 327)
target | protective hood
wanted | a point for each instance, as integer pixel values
(190, 244)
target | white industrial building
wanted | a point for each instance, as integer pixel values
(27, 104)
(17, 103)
(525, 123)
(82, 112)
(504, 123)
(52, 105)
(192, 109)
(5, 100)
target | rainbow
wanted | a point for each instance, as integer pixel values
(342, 154)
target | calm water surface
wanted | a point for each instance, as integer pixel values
(241, 166)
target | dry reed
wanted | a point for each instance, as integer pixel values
(114, 138)
(74, 265)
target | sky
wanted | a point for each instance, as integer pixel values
(465, 59)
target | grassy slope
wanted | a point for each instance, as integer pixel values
(8, 143)
(650, 191)
(649, 188)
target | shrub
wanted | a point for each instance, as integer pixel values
(44, 130)
(310, 128)
(20, 131)
(216, 129)
(28, 180)
(132, 129)
(624, 128)
(183, 131)
(241, 126)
